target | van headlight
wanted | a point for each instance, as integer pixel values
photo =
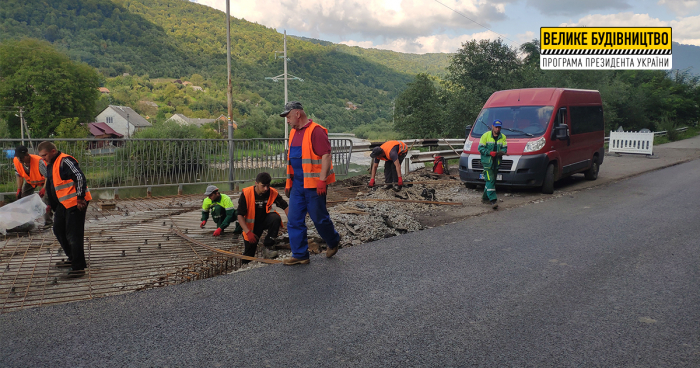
(468, 145)
(533, 146)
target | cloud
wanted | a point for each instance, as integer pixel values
(685, 30)
(426, 44)
(575, 7)
(681, 7)
(388, 19)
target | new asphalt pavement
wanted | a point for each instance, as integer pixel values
(602, 277)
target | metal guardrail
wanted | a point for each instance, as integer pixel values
(137, 163)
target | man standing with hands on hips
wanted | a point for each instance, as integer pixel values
(309, 171)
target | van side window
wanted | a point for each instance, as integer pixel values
(586, 119)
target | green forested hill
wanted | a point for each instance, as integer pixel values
(179, 39)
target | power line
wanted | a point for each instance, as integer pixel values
(479, 24)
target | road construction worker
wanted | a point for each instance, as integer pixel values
(221, 208)
(254, 215)
(31, 174)
(492, 147)
(68, 195)
(392, 153)
(309, 171)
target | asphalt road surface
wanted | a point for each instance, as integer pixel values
(604, 277)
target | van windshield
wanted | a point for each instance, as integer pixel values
(518, 121)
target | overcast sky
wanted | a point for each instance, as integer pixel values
(421, 26)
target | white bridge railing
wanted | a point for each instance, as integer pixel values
(631, 142)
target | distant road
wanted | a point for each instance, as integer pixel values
(605, 277)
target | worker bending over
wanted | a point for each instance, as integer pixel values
(31, 174)
(492, 147)
(221, 208)
(254, 215)
(393, 153)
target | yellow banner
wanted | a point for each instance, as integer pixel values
(605, 38)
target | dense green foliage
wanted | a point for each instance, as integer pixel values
(47, 84)
(171, 39)
(633, 99)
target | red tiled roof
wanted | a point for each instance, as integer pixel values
(101, 129)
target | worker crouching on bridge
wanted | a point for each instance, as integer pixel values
(309, 171)
(492, 147)
(69, 196)
(254, 215)
(31, 174)
(393, 154)
(222, 211)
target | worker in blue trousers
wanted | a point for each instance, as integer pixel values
(309, 171)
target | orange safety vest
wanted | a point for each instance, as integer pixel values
(65, 189)
(388, 146)
(310, 162)
(34, 178)
(249, 194)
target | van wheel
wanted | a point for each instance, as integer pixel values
(470, 186)
(548, 183)
(592, 173)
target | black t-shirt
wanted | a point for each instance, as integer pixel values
(260, 203)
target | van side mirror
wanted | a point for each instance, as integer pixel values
(561, 132)
(468, 129)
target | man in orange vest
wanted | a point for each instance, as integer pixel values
(392, 153)
(68, 196)
(254, 206)
(31, 174)
(309, 171)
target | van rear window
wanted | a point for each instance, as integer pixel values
(586, 119)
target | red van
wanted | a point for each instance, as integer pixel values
(551, 133)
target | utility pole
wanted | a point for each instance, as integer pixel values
(229, 95)
(21, 123)
(128, 126)
(286, 77)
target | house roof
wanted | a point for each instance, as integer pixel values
(192, 121)
(134, 118)
(104, 90)
(102, 129)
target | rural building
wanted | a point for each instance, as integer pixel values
(103, 131)
(184, 120)
(123, 120)
(104, 90)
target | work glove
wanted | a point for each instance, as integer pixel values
(19, 193)
(252, 238)
(42, 192)
(321, 188)
(500, 154)
(218, 232)
(493, 154)
(371, 183)
(48, 209)
(400, 181)
(287, 191)
(201, 226)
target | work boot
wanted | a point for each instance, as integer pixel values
(295, 261)
(269, 253)
(494, 204)
(485, 201)
(74, 274)
(388, 186)
(63, 264)
(330, 252)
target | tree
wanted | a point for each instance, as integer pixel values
(70, 128)
(418, 110)
(483, 67)
(47, 84)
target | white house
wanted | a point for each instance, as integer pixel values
(124, 120)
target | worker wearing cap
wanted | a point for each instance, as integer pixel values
(309, 171)
(31, 174)
(392, 153)
(492, 147)
(69, 197)
(255, 215)
(221, 208)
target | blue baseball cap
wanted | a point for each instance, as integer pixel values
(497, 123)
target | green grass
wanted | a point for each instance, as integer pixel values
(690, 133)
